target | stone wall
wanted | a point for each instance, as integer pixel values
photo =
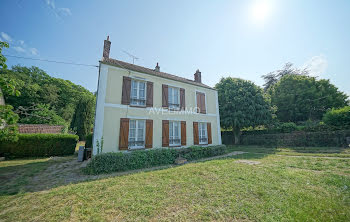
(39, 128)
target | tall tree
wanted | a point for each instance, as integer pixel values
(299, 98)
(242, 104)
(83, 116)
(288, 69)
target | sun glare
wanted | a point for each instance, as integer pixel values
(261, 10)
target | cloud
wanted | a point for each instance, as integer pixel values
(59, 12)
(64, 11)
(19, 46)
(19, 49)
(6, 37)
(33, 51)
(317, 65)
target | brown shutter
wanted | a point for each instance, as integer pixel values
(126, 90)
(183, 133)
(195, 133)
(165, 134)
(209, 133)
(165, 96)
(203, 108)
(198, 98)
(149, 101)
(182, 99)
(149, 133)
(124, 134)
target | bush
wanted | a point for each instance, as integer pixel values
(40, 145)
(122, 161)
(288, 127)
(338, 117)
(88, 141)
(299, 138)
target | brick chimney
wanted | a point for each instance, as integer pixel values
(157, 68)
(198, 76)
(106, 48)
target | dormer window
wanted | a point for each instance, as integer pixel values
(174, 98)
(138, 93)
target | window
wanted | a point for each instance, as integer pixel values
(137, 134)
(201, 106)
(174, 133)
(203, 134)
(173, 98)
(138, 93)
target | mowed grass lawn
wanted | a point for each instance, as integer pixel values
(304, 184)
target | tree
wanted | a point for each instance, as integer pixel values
(8, 119)
(37, 87)
(300, 98)
(40, 114)
(338, 117)
(83, 116)
(273, 77)
(242, 104)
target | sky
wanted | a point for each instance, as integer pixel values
(243, 39)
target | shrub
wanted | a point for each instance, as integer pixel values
(288, 127)
(39, 145)
(88, 141)
(338, 117)
(122, 161)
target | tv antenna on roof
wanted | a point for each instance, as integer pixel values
(132, 56)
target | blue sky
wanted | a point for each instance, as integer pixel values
(243, 39)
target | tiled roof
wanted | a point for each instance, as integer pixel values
(141, 69)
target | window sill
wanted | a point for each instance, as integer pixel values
(175, 145)
(138, 106)
(136, 148)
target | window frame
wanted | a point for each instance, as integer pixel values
(138, 81)
(200, 131)
(171, 124)
(136, 134)
(171, 105)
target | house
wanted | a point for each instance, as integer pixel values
(142, 108)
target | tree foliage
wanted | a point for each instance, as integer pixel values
(37, 87)
(242, 104)
(300, 97)
(338, 117)
(83, 117)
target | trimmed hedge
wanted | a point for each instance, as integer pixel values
(40, 145)
(298, 138)
(88, 141)
(138, 159)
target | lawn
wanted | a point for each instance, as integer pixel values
(265, 184)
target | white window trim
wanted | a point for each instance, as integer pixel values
(206, 102)
(178, 97)
(136, 132)
(200, 131)
(137, 79)
(175, 144)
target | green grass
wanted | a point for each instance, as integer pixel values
(280, 188)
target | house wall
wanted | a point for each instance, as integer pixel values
(109, 109)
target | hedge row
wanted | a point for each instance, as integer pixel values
(40, 145)
(122, 161)
(297, 138)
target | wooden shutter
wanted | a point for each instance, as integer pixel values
(183, 133)
(126, 90)
(203, 108)
(149, 101)
(182, 99)
(149, 133)
(124, 134)
(198, 99)
(165, 96)
(165, 133)
(209, 133)
(195, 133)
